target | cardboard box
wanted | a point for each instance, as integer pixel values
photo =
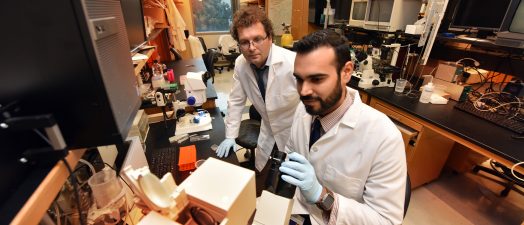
(456, 92)
(414, 29)
(448, 71)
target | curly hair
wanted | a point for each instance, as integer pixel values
(249, 16)
(325, 38)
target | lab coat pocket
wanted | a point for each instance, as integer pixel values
(349, 187)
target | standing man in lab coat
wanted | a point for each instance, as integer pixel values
(264, 75)
(347, 158)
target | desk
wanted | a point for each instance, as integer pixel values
(158, 138)
(491, 57)
(478, 135)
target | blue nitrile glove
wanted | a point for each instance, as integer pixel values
(223, 148)
(299, 172)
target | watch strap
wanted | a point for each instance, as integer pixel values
(326, 200)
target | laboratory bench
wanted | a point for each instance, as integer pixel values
(431, 131)
(158, 145)
(182, 67)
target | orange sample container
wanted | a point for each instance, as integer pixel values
(187, 158)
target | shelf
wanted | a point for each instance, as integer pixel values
(142, 63)
(39, 202)
(155, 33)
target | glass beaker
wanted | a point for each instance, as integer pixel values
(105, 187)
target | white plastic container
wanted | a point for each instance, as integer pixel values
(427, 91)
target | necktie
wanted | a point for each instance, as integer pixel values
(260, 81)
(316, 130)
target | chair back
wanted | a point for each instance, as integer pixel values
(209, 58)
(227, 43)
(203, 43)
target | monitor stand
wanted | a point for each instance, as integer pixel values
(482, 34)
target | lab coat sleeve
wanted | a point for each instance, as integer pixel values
(383, 199)
(235, 107)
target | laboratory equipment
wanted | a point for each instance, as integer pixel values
(195, 89)
(191, 123)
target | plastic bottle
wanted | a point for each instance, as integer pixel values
(287, 38)
(425, 97)
(158, 76)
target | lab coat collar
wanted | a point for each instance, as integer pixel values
(274, 60)
(350, 118)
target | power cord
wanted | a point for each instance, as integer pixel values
(513, 171)
(73, 179)
(75, 189)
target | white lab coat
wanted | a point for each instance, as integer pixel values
(277, 111)
(361, 159)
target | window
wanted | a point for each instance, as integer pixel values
(212, 15)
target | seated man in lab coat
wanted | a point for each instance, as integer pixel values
(264, 75)
(347, 158)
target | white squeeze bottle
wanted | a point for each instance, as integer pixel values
(425, 97)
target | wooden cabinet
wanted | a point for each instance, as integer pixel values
(426, 150)
(300, 26)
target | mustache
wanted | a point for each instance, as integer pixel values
(309, 97)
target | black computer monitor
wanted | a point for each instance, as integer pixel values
(68, 59)
(483, 15)
(512, 30)
(134, 20)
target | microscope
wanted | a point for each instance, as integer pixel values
(366, 73)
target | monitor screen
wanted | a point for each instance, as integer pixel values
(380, 10)
(134, 20)
(480, 14)
(517, 23)
(359, 10)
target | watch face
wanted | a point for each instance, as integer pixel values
(328, 201)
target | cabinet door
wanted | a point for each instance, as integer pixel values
(429, 150)
(409, 136)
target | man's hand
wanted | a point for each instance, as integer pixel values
(299, 172)
(223, 148)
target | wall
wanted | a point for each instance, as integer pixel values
(279, 11)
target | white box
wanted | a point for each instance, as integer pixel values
(474, 75)
(273, 210)
(140, 126)
(455, 91)
(414, 29)
(226, 191)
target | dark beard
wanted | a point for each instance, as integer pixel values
(326, 105)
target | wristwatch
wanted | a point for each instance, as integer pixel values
(326, 200)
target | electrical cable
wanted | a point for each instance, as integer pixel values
(75, 189)
(43, 137)
(120, 178)
(88, 164)
(57, 214)
(513, 171)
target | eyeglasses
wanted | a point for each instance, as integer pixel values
(255, 42)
